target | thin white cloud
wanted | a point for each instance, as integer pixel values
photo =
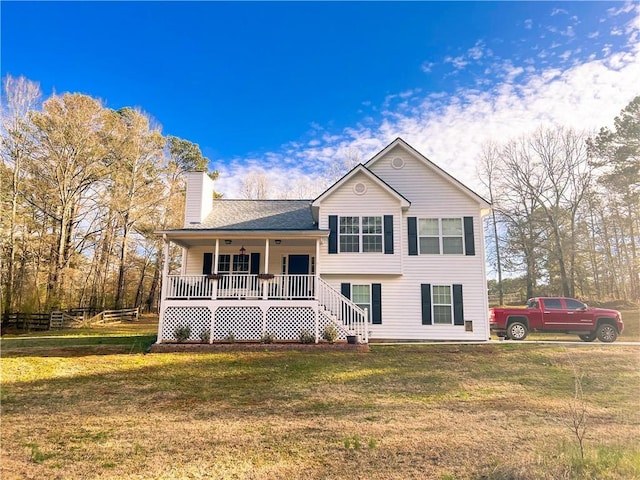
(477, 51)
(558, 11)
(458, 62)
(528, 24)
(427, 66)
(564, 56)
(450, 129)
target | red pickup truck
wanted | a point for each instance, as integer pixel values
(556, 315)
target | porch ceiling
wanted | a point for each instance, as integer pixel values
(190, 238)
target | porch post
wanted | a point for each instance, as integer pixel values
(316, 284)
(265, 283)
(214, 286)
(165, 280)
(215, 256)
(315, 289)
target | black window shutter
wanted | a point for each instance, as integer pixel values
(376, 303)
(412, 226)
(388, 234)
(469, 242)
(345, 289)
(425, 289)
(255, 263)
(207, 264)
(333, 234)
(458, 312)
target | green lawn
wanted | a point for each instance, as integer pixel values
(499, 411)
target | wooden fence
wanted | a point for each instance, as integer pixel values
(77, 317)
(515, 298)
(115, 316)
(26, 321)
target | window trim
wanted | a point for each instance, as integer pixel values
(370, 304)
(441, 237)
(361, 234)
(232, 263)
(434, 304)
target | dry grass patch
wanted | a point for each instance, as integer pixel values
(488, 411)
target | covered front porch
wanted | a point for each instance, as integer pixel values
(243, 287)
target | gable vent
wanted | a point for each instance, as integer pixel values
(397, 163)
(359, 188)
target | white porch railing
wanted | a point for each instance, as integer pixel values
(239, 286)
(189, 286)
(292, 287)
(279, 287)
(345, 314)
(353, 318)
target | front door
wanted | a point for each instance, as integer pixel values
(298, 279)
(298, 265)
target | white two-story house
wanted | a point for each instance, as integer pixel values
(394, 250)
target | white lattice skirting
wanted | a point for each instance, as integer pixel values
(246, 322)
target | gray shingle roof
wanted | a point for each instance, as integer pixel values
(259, 215)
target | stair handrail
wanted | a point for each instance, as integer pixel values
(353, 318)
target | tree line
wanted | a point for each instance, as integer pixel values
(566, 210)
(84, 188)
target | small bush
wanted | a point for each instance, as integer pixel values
(182, 333)
(330, 334)
(231, 338)
(205, 335)
(268, 338)
(306, 336)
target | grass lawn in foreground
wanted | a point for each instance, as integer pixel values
(495, 411)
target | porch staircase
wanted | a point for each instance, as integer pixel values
(345, 315)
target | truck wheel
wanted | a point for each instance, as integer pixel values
(607, 333)
(517, 331)
(589, 337)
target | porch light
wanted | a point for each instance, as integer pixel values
(242, 250)
(227, 242)
(278, 242)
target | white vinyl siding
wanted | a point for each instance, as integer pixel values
(431, 197)
(376, 202)
(199, 198)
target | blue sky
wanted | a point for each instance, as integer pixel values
(289, 88)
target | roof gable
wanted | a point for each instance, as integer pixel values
(361, 169)
(400, 143)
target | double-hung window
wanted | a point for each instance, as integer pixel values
(349, 234)
(361, 296)
(442, 305)
(441, 235)
(361, 234)
(240, 264)
(224, 263)
(372, 234)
